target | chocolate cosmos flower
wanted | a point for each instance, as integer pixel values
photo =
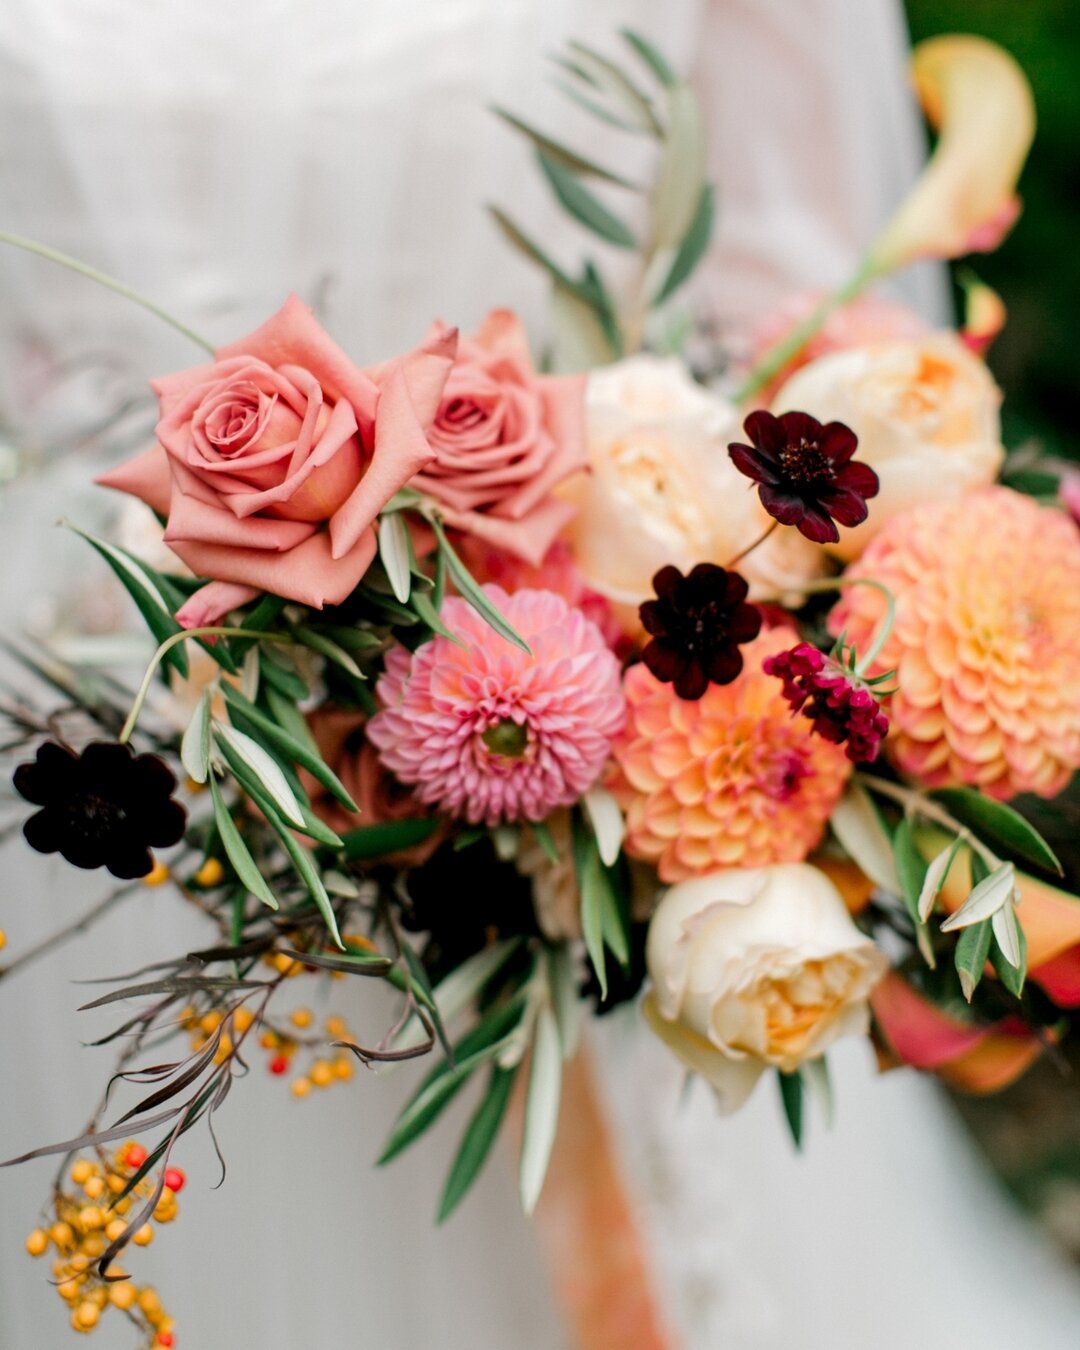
(697, 624)
(103, 808)
(805, 474)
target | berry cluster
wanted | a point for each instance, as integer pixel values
(90, 1216)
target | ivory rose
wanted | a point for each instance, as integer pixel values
(274, 460)
(756, 968)
(503, 438)
(925, 411)
(662, 489)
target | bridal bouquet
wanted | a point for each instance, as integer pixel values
(535, 688)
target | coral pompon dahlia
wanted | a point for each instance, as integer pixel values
(490, 733)
(729, 780)
(986, 643)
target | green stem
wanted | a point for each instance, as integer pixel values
(84, 269)
(792, 343)
(836, 584)
(166, 647)
(915, 803)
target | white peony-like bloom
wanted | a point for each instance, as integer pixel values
(663, 490)
(925, 410)
(757, 968)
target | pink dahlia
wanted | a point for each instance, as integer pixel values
(491, 733)
(730, 780)
(986, 643)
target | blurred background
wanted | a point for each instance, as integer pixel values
(1031, 1132)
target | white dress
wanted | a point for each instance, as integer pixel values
(216, 156)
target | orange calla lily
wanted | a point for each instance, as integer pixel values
(981, 103)
(984, 315)
(977, 1059)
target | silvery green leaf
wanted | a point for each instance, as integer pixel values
(815, 1073)
(249, 674)
(985, 900)
(394, 552)
(607, 823)
(857, 825)
(339, 883)
(1000, 824)
(264, 768)
(541, 1108)
(565, 1000)
(237, 851)
(970, 956)
(692, 249)
(677, 194)
(195, 747)
(506, 839)
(585, 207)
(1007, 933)
(456, 991)
(591, 105)
(562, 153)
(937, 873)
(606, 76)
(652, 58)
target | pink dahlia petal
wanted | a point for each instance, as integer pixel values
(490, 733)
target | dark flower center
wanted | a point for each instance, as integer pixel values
(507, 737)
(805, 464)
(97, 815)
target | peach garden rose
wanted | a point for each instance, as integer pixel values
(274, 460)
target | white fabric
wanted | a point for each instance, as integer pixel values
(216, 155)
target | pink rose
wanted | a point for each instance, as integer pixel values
(503, 438)
(275, 459)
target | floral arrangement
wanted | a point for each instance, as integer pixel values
(536, 694)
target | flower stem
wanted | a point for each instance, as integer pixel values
(84, 269)
(916, 803)
(166, 647)
(791, 344)
(750, 547)
(836, 584)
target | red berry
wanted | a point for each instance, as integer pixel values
(135, 1155)
(175, 1179)
(279, 1065)
(165, 1339)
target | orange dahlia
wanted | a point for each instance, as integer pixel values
(986, 643)
(729, 780)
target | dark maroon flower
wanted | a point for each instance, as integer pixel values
(103, 808)
(697, 624)
(804, 472)
(841, 706)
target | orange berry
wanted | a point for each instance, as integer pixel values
(79, 1262)
(301, 1087)
(114, 1229)
(37, 1242)
(242, 1019)
(149, 1301)
(94, 1187)
(301, 1017)
(210, 874)
(3, 939)
(82, 1171)
(86, 1316)
(94, 1246)
(91, 1217)
(336, 1028)
(321, 1073)
(62, 1234)
(144, 1236)
(344, 1068)
(157, 875)
(69, 1289)
(209, 1022)
(122, 1295)
(269, 1040)
(115, 1182)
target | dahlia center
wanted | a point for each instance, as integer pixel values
(507, 737)
(806, 464)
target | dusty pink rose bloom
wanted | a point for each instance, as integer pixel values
(274, 460)
(503, 438)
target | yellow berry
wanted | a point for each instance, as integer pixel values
(301, 1017)
(242, 1019)
(149, 1300)
(157, 875)
(123, 1206)
(91, 1217)
(285, 965)
(86, 1316)
(37, 1242)
(269, 1040)
(336, 1028)
(344, 1068)
(301, 1087)
(122, 1295)
(209, 1022)
(321, 1073)
(211, 873)
(115, 1182)
(115, 1229)
(3, 939)
(78, 1263)
(82, 1171)
(99, 1295)
(69, 1289)
(62, 1234)
(94, 1246)
(94, 1188)
(144, 1236)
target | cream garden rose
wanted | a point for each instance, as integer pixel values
(662, 489)
(756, 968)
(925, 411)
